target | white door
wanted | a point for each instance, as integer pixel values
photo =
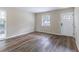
(67, 24)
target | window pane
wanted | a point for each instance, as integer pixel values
(46, 20)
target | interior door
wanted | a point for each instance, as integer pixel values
(67, 24)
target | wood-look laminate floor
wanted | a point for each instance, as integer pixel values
(39, 42)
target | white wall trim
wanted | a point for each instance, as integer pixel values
(17, 35)
(54, 33)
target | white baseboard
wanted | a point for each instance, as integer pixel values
(55, 33)
(61, 34)
(17, 35)
(30, 32)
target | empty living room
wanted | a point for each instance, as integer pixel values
(39, 29)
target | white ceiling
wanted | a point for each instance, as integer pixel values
(39, 9)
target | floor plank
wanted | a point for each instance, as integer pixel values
(39, 42)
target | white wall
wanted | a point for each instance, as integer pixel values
(76, 18)
(55, 26)
(18, 22)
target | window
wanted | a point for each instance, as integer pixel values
(2, 24)
(67, 16)
(46, 20)
(2, 20)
